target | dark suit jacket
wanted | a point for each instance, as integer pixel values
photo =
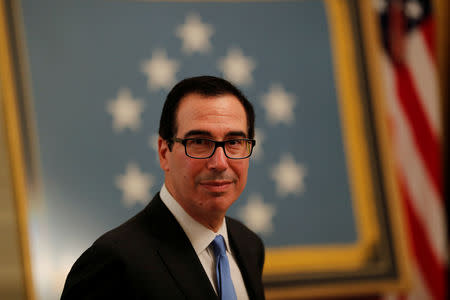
(150, 257)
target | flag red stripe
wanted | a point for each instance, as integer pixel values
(432, 270)
(428, 30)
(427, 143)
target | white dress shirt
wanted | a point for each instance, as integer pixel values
(201, 237)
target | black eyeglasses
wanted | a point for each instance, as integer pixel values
(201, 148)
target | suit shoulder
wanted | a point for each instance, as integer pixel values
(107, 248)
(96, 267)
(132, 230)
(122, 232)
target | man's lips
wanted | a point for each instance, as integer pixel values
(216, 185)
(216, 182)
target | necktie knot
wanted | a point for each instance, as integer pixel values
(218, 245)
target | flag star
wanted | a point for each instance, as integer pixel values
(135, 185)
(258, 149)
(236, 67)
(160, 70)
(279, 105)
(153, 144)
(289, 176)
(413, 9)
(195, 35)
(126, 111)
(257, 215)
(379, 5)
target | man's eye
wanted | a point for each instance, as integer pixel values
(199, 141)
(235, 143)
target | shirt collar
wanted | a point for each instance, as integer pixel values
(199, 236)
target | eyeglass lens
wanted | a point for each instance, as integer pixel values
(202, 148)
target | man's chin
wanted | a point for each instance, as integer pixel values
(220, 202)
(217, 194)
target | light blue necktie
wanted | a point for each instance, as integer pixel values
(224, 284)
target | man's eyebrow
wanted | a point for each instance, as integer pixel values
(197, 132)
(208, 134)
(236, 133)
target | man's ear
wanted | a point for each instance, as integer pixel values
(163, 152)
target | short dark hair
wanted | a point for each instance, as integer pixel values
(205, 86)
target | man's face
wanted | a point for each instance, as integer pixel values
(206, 188)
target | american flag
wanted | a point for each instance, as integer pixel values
(409, 65)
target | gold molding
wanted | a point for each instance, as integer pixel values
(8, 90)
(373, 48)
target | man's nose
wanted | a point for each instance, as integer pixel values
(218, 161)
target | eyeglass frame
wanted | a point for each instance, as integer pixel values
(216, 144)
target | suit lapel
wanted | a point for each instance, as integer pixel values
(178, 254)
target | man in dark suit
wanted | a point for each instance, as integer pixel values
(182, 246)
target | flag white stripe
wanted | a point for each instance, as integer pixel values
(425, 199)
(421, 65)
